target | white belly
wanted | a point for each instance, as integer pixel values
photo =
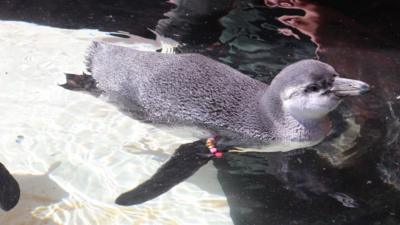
(279, 147)
(195, 133)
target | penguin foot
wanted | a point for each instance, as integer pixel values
(81, 83)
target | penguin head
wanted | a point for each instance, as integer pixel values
(310, 89)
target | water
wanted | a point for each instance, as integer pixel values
(73, 154)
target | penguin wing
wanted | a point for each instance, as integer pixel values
(9, 189)
(185, 161)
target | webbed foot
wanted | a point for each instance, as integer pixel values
(83, 82)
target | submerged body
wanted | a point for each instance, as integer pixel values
(192, 90)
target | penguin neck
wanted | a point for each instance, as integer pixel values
(290, 127)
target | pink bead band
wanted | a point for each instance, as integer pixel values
(210, 143)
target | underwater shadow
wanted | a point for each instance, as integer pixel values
(36, 191)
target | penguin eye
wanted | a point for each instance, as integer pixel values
(312, 88)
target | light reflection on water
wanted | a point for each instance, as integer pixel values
(77, 152)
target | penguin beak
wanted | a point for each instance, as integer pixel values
(347, 87)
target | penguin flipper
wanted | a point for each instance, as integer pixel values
(9, 189)
(185, 161)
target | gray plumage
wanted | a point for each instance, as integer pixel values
(192, 89)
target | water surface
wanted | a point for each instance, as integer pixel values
(73, 154)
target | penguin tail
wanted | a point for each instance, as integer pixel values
(94, 49)
(84, 82)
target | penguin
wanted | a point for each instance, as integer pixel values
(193, 90)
